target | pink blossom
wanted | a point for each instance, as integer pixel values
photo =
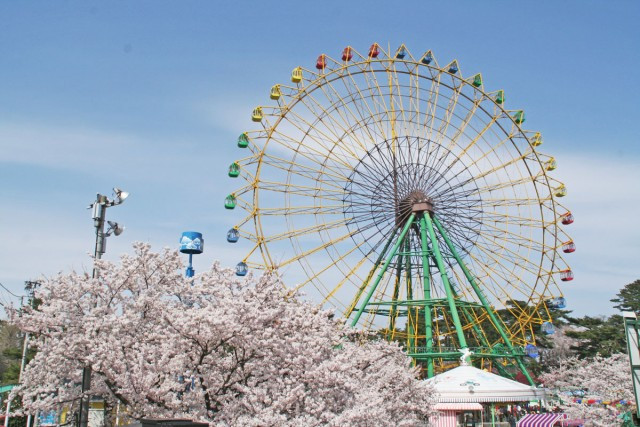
(256, 355)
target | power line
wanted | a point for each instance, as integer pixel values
(7, 289)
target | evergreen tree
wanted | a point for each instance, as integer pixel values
(628, 299)
(10, 353)
(598, 335)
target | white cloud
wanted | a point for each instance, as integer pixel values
(58, 147)
(604, 196)
(92, 151)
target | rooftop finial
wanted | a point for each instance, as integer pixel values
(465, 359)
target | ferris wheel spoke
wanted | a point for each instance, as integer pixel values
(339, 128)
(500, 217)
(460, 129)
(324, 142)
(513, 202)
(395, 87)
(334, 262)
(321, 143)
(294, 233)
(317, 248)
(432, 106)
(243, 232)
(363, 103)
(311, 154)
(500, 258)
(512, 239)
(305, 171)
(519, 185)
(523, 179)
(481, 176)
(360, 101)
(335, 209)
(378, 98)
(410, 91)
(414, 97)
(441, 132)
(502, 166)
(317, 193)
(496, 288)
(352, 272)
(472, 143)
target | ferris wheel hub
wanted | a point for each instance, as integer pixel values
(422, 206)
(416, 202)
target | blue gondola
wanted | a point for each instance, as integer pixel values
(428, 58)
(241, 269)
(233, 235)
(548, 328)
(531, 351)
(402, 52)
(558, 302)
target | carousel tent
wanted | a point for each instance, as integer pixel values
(466, 384)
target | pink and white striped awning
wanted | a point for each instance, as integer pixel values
(542, 420)
(458, 407)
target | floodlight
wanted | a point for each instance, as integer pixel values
(114, 228)
(120, 195)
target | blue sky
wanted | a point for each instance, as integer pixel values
(150, 96)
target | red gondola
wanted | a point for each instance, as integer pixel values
(568, 247)
(566, 275)
(321, 63)
(567, 218)
(374, 51)
(346, 54)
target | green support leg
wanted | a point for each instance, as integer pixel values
(410, 331)
(426, 283)
(482, 298)
(394, 250)
(394, 299)
(371, 273)
(445, 280)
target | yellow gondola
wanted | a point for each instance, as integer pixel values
(550, 164)
(275, 92)
(296, 75)
(257, 114)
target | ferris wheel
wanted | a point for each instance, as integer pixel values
(411, 199)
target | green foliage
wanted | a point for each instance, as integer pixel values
(598, 335)
(11, 343)
(628, 299)
(10, 353)
(605, 335)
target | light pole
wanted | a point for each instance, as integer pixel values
(99, 209)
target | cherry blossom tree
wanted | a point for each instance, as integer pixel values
(605, 379)
(215, 347)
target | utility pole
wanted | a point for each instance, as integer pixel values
(23, 361)
(99, 217)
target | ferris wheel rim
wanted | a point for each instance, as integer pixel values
(322, 79)
(338, 73)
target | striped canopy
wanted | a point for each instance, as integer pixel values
(543, 420)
